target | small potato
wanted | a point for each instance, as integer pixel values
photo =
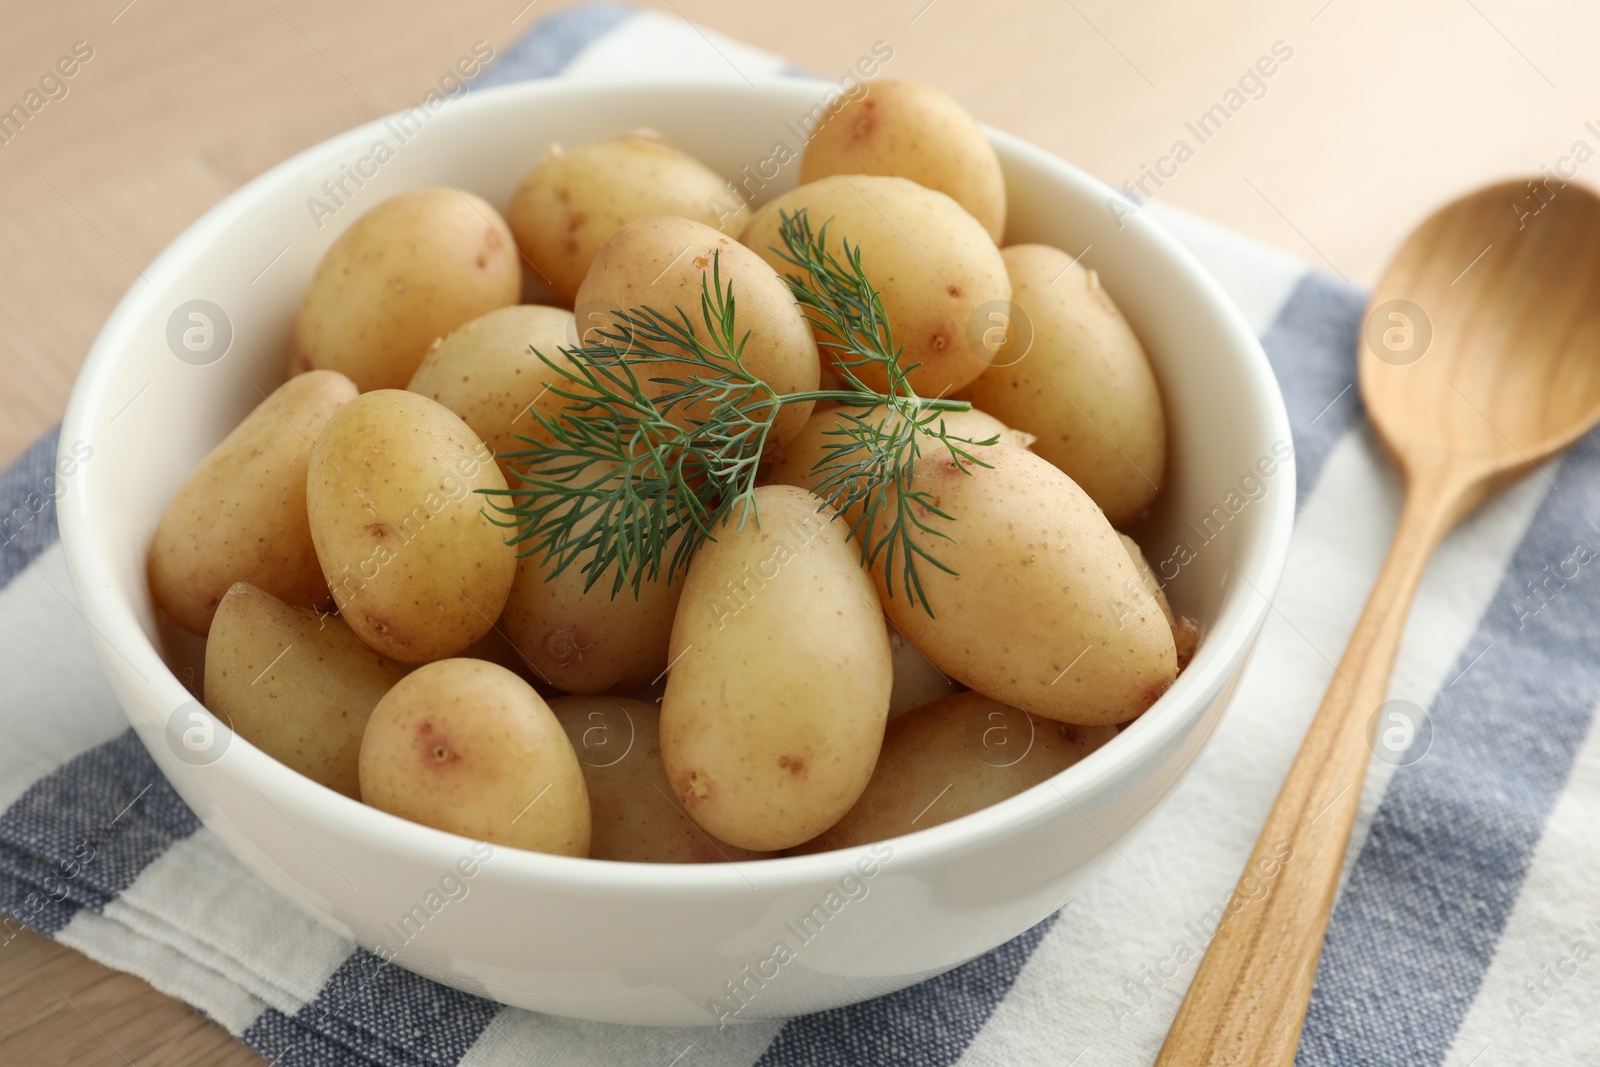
(1045, 610)
(1084, 385)
(572, 202)
(633, 816)
(665, 263)
(935, 267)
(240, 516)
(1185, 631)
(402, 276)
(487, 373)
(952, 758)
(589, 641)
(1147, 577)
(416, 567)
(912, 131)
(780, 681)
(468, 747)
(295, 683)
(916, 681)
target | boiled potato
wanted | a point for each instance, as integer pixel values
(591, 641)
(402, 276)
(468, 747)
(487, 373)
(1045, 610)
(416, 567)
(633, 816)
(1084, 385)
(295, 683)
(664, 263)
(912, 131)
(935, 267)
(780, 681)
(240, 516)
(1185, 631)
(952, 758)
(1147, 577)
(916, 681)
(573, 201)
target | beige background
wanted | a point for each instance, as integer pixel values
(1384, 110)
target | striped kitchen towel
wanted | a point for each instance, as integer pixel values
(1469, 913)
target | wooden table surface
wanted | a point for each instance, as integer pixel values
(1382, 111)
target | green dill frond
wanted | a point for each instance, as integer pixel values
(869, 470)
(663, 429)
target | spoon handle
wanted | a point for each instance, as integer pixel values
(1248, 999)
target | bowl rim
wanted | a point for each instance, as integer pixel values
(121, 635)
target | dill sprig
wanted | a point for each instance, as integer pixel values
(869, 469)
(663, 429)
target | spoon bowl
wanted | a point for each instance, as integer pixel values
(1482, 341)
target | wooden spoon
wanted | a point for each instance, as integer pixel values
(1480, 357)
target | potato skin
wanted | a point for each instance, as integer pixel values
(1185, 631)
(933, 264)
(296, 683)
(402, 276)
(633, 817)
(589, 641)
(1046, 611)
(241, 514)
(913, 131)
(468, 747)
(663, 263)
(486, 372)
(418, 571)
(1085, 386)
(1147, 577)
(572, 202)
(952, 758)
(779, 689)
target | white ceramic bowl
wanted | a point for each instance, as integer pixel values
(632, 942)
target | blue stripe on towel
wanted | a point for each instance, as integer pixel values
(27, 507)
(1312, 348)
(80, 836)
(366, 1006)
(927, 1024)
(1452, 842)
(556, 42)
